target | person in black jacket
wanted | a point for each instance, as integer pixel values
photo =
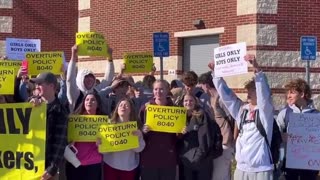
(56, 132)
(200, 144)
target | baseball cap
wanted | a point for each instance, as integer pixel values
(46, 77)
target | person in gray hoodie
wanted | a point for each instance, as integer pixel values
(85, 80)
(299, 101)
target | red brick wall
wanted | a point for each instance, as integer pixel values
(54, 22)
(128, 25)
(294, 19)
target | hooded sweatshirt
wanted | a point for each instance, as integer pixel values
(283, 119)
(252, 152)
(75, 82)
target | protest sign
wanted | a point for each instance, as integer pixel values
(118, 137)
(45, 62)
(85, 128)
(23, 139)
(166, 118)
(91, 44)
(17, 48)
(229, 60)
(138, 62)
(303, 144)
(7, 79)
(11, 64)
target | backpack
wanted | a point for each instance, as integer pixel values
(276, 136)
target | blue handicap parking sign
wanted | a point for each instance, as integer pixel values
(308, 47)
(161, 44)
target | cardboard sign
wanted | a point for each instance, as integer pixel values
(91, 44)
(138, 62)
(85, 128)
(303, 144)
(166, 118)
(118, 137)
(229, 60)
(23, 128)
(7, 79)
(45, 62)
(16, 49)
(11, 64)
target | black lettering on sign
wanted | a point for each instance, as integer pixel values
(161, 123)
(2, 125)
(44, 68)
(94, 48)
(24, 118)
(118, 142)
(28, 157)
(11, 124)
(12, 160)
(18, 159)
(165, 117)
(8, 158)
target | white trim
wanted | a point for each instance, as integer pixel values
(201, 32)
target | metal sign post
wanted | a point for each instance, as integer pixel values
(161, 48)
(308, 51)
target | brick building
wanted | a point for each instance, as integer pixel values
(53, 22)
(271, 29)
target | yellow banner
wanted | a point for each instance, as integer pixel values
(23, 138)
(91, 44)
(166, 118)
(118, 137)
(39, 62)
(7, 79)
(11, 64)
(85, 128)
(138, 62)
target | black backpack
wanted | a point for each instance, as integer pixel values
(276, 135)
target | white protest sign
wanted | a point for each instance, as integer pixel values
(303, 144)
(229, 60)
(17, 48)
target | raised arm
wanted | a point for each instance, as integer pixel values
(72, 90)
(227, 96)
(264, 99)
(109, 73)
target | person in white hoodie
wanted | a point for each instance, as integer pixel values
(82, 82)
(123, 165)
(299, 101)
(252, 152)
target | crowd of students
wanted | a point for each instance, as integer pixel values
(219, 124)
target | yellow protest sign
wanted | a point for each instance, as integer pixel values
(166, 118)
(91, 44)
(7, 79)
(23, 139)
(118, 137)
(39, 62)
(85, 128)
(138, 62)
(11, 64)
